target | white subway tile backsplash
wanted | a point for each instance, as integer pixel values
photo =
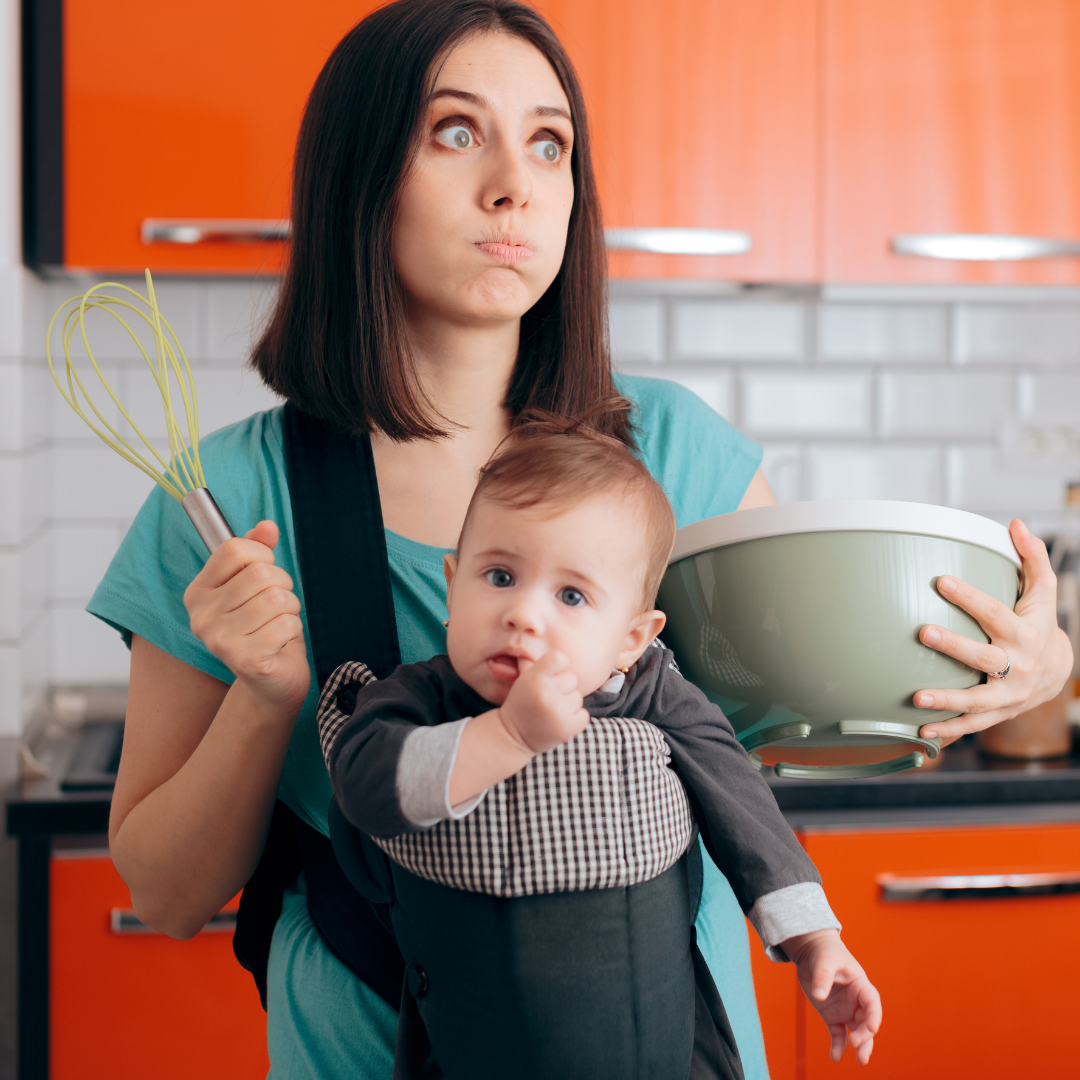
(11, 487)
(939, 405)
(883, 332)
(81, 557)
(1036, 333)
(732, 330)
(86, 650)
(35, 662)
(981, 482)
(11, 405)
(1053, 395)
(94, 482)
(782, 465)
(36, 574)
(910, 473)
(806, 404)
(11, 717)
(11, 607)
(236, 313)
(637, 330)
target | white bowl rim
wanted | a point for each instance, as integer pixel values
(848, 515)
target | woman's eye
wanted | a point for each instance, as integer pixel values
(459, 137)
(500, 578)
(571, 597)
(546, 150)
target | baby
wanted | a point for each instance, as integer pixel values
(538, 791)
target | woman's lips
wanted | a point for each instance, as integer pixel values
(503, 667)
(507, 253)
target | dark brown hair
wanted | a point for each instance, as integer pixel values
(550, 461)
(336, 344)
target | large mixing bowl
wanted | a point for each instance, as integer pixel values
(801, 621)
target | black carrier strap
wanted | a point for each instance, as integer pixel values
(341, 553)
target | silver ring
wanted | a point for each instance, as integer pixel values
(1004, 671)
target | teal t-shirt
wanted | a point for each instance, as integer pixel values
(704, 465)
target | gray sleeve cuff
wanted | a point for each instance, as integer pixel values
(423, 775)
(785, 913)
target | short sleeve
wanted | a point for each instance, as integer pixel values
(703, 463)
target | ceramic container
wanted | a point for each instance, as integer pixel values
(801, 621)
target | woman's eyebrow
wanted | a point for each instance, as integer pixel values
(482, 102)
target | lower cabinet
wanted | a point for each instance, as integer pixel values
(127, 1003)
(972, 936)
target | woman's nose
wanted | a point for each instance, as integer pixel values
(508, 184)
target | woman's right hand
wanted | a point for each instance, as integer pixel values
(242, 608)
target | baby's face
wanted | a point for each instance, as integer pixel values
(529, 582)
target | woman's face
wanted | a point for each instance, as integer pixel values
(482, 218)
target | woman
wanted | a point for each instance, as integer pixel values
(446, 272)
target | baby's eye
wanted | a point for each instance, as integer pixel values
(500, 578)
(458, 136)
(571, 597)
(546, 150)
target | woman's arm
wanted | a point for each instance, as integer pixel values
(758, 493)
(201, 761)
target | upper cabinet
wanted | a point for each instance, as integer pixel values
(952, 130)
(702, 115)
(165, 115)
(796, 140)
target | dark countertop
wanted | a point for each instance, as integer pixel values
(966, 788)
(965, 778)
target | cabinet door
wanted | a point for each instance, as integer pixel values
(970, 987)
(185, 111)
(946, 118)
(703, 116)
(124, 1006)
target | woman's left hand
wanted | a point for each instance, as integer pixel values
(1027, 639)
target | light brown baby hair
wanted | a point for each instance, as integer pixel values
(549, 461)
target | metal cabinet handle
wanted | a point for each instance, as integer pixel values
(214, 230)
(977, 886)
(983, 247)
(680, 241)
(125, 921)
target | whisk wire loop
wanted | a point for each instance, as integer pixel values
(182, 473)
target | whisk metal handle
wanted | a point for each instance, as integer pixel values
(207, 518)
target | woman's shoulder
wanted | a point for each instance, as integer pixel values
(703, 462)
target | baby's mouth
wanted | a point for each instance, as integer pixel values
(503, 667)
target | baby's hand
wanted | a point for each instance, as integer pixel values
(543, 708)
(838, 988)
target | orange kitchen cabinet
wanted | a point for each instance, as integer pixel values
(702, 116)
(174, 111)
(779, 1002)
(957, 117)
(124, 1006)
(970, 988)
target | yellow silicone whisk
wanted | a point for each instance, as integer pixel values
(182, 474)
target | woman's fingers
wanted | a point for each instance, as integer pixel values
(976, 654)
(992, 615)
(1040, 582)
(266, 532)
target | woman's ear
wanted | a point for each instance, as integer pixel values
(643, 630)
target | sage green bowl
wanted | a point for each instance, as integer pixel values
(801, 621)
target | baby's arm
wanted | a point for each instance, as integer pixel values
(542, 710)
(838, 988)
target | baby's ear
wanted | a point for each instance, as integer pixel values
(645, 627)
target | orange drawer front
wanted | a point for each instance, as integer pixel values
(970, 987)
(125, 1006)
